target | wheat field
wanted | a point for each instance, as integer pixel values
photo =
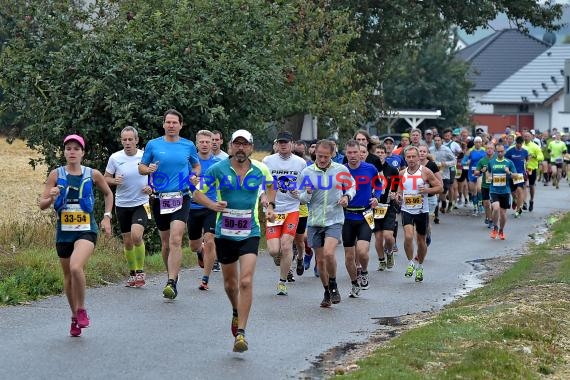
(21, 185)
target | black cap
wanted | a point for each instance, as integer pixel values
(284, 136)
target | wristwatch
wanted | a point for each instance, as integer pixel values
(108, 214)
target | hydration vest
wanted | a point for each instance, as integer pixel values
(86, 198)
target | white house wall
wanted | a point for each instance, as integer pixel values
(560, 120)
(475, 103)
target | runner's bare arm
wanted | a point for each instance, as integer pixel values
(51, 191)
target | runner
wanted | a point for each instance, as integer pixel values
(327, 187)
(557, 149)
(475, 154)
(69, 189)
(535, 157)
(131, 202)
(285, 167)
(217, 143)
(499, 168)
(238, 182)
(518, 156)
(445, 160)
(167, 159)
(481, 170)
(202, 221)
(359, 217)
(385, 223)
(417, 182)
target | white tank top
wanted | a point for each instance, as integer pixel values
(413, 202)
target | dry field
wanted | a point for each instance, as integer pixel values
(21, 185)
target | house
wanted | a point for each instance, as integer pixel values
(492, 60)
(539, 89)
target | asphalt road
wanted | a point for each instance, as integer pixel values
(136, 334)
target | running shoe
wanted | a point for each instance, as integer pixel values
(170, 290)
(335, 294)
(307, 261)
(502, 235)
(200, 258)
(419, 275)
(131, 282)
(395, 249)
(74, 330)
(140, 280)
(409, 270)
(216, 267)
(281, 289)
(436, 220)
(450, 206)
(326, 302)
(518, 213)
(382, 265)
(290, 277)
(389, 260)
(240, 344)
(494, 233)
(234, 326)
(300, 267)
(354, 291)
(530, 206)
(364, 282)
(203, 285)
(82, 318)
(524, 207)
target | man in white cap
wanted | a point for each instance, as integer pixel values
(238, 181)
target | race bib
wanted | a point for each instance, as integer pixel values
(170, 202)
(487, 179)
(380, 211)
(73, 218)
(236, 222)
(499, 179)
(369, 217)
(147, 210)
(279, 220)
(413, 201)
(517, 178)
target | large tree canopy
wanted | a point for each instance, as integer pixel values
(224, 65)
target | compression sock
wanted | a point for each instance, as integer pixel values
(130, 256)
(139, 252)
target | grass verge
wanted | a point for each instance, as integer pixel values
(516, 327)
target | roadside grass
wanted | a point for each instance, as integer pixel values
(516, 327)
(30, 269)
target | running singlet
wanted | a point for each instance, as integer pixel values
(367, 186)
(287, 177)
(72, 221)
(130, 192)
(239, 220)
(474, 157)
(412, 201)
(496, 168)
(486, 177)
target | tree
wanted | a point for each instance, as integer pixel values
(428, 76)
(224, 65)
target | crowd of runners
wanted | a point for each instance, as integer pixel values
(313, 198)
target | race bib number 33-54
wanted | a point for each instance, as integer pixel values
(236, 222)
(73, 218)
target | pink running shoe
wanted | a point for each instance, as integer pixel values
(82, 318)
(74, 330)
(131, 282)
(140, 280)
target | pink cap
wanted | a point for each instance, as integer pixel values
(77, 138)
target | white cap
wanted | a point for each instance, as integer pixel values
(532, 132)
(242, 133)
(478, 139)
